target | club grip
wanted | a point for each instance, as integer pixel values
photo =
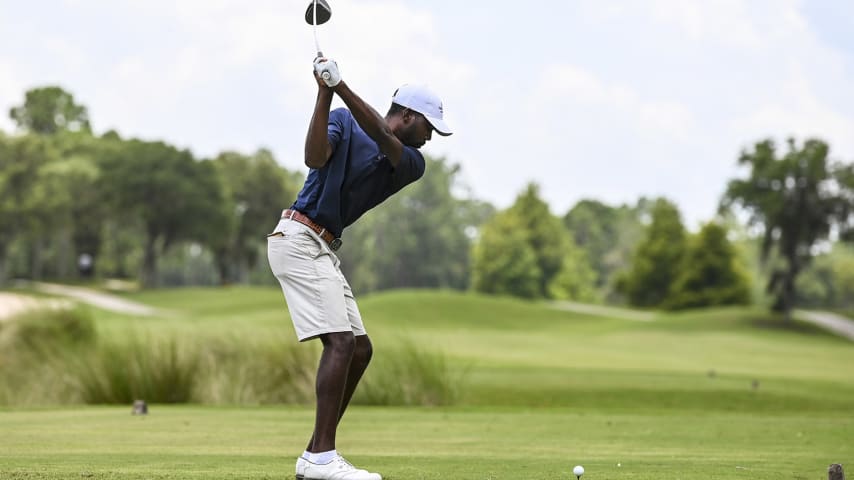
(325, 75)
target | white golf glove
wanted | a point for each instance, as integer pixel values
(328, 71)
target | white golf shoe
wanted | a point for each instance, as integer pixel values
(337, 469)
(301, 464)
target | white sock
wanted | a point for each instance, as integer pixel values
(322, 458)
(305, 455)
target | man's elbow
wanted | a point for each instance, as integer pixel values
(312, 160)
(314, 163)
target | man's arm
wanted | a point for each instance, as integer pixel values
(372, 123)
(317, 147)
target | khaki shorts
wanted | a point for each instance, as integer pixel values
(318, 296)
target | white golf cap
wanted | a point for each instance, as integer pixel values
(421, 99)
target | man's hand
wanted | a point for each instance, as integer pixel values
(327, 70)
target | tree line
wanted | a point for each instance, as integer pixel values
(75, 204)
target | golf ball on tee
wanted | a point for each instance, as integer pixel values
(578, 470)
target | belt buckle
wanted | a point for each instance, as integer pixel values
(335, 244)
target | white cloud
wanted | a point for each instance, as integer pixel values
(799, 111)
(576, 87)
(68, 56)
(724, 21)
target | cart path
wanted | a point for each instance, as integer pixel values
(98, 299)
(836, 323)
(12, 304)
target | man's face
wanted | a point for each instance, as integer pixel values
(416, 129)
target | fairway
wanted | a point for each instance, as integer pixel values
(718, 394)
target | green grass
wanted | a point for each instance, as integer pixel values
(422, 444)
(724, 394)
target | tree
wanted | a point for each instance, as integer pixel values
(173, 196)
(608, 235)
(843, 280)
(28, 200)
(504, 263)
(576, 279)
(10, 200)
(64, 189)
(656, 262)
(79, 170)
(52, 113)
(562, 269)
(49, 110)
(797, 199)
(544, 233)
(829, 280)
(844, 176)
(594, 228)
(255, 189)
(711, 273)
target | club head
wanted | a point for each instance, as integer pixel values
(323, 12)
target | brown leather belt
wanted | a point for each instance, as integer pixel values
(326, 235)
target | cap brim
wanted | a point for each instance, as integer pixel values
(440, 126)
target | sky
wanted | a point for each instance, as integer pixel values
(590, 99)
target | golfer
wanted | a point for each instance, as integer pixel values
(357, 159)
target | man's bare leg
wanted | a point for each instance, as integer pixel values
(358, 364)
(331, 385)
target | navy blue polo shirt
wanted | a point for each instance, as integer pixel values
(356, 178)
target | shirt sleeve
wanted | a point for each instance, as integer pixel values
(410, 168)
(336, 126)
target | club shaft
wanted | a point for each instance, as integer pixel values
(314, 21)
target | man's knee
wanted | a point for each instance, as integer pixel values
(364, 349)
(343, 343)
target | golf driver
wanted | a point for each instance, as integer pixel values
(318, 13)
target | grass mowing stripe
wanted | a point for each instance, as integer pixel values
(416, 443)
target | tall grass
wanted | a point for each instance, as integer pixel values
(45, 328)
(30, 344)
(55, 357)
(172, 369)
(408, 374)
(247, 371)
(119, 372)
